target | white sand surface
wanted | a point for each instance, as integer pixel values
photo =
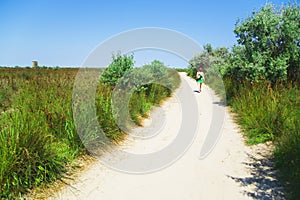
(228, 172)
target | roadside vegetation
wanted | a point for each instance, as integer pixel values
(37, 132)
(261, 76)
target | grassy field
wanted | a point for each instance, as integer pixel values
(37, 132)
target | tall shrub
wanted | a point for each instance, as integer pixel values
(119, 66)
(270, 45)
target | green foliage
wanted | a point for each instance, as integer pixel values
(268, 113)
(202, 60)
(37, 133)
(208, 48)
(144, 76)
(291, 37)
(142, 102)
(139, 83)
(182, 69)
(119, 66)
(270, 45)
(163, 83)
(287, 157)
(213, 61)
(262, 77)
(105, 115)
(26, 159)
(269, 50)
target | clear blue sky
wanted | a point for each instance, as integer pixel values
(64, 32)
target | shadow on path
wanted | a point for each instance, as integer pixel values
(263, 180)
(220, 103)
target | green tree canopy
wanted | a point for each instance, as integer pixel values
(270, 44)
(119, 66)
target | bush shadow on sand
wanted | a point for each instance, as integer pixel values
(263, 180)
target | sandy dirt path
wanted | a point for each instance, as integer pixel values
(231, 171)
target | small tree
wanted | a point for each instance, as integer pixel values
(119, 66)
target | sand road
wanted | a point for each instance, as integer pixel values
(231, 170)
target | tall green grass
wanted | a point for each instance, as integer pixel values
(271, 113)
(37, 131)
(142, 102)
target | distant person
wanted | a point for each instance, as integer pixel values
(200, 78)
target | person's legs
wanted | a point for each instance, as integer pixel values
(200, 84)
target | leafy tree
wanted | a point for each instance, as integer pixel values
(119, 66)
(208, 48)
(290, 32)
(221, 52)
(270, 44)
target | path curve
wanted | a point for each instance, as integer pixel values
(231, 171)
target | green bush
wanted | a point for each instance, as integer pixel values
(119, 66)
(144, 86)
(269, 40)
